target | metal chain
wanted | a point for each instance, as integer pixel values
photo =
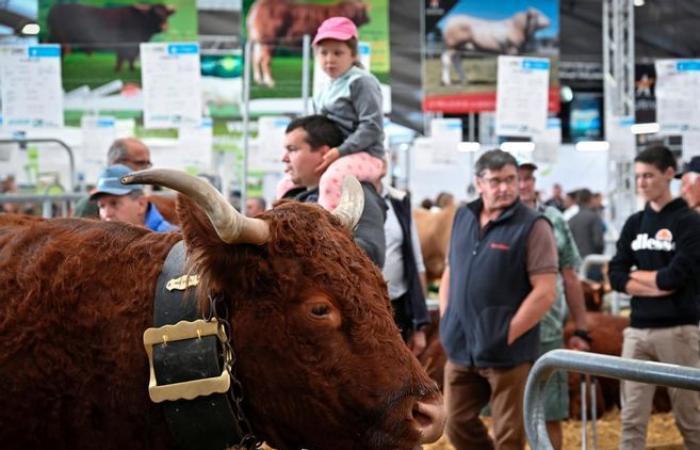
(218, 309)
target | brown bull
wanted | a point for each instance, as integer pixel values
(321, 363)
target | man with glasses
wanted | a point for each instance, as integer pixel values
(499, 282)
(130, 152)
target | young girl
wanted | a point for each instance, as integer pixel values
(353, 100)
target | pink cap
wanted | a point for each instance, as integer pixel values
(338, 28)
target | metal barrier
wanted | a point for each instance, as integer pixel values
(71, 158)
(592, 260)
(46, 201)
(600, 365)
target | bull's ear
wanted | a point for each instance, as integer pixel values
(196, 227)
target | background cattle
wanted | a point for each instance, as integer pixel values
(434, 230)
(112, 29)
(285, 22)
(508, 36)
(321, 363)
(606, 332)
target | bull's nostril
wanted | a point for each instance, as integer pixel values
(430, 418)
(421, 418)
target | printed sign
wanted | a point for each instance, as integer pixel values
(678, 95)
(30, 79)
(521, 99)
(171, 85)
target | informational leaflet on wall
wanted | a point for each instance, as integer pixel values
(618, 133)
(690, 146)
(30, 80)
(521, 97)
(678, 95)
(547, 142)
(446, 135)
(268, 154)
(195, 144)
(170, 74)
(98, 134)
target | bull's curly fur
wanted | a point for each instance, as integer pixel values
(77, 296)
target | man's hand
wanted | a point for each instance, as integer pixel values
(417, 342)
(328, 158)
(577, 343)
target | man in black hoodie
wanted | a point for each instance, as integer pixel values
(658, 262)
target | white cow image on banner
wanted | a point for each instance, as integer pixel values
(507, 36)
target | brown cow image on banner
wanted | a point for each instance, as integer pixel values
(320, 361)
(277, 22)
(120, 30)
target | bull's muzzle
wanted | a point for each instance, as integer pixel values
(429, 416)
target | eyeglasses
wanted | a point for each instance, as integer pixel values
(495, 182)
(141, 163)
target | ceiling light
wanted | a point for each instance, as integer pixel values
(638, 2)
(30, 29)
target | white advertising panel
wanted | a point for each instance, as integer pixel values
(30, 80)
(678, 95)
(268, 156)
(171, 79)
(446, 134)
(522, 95)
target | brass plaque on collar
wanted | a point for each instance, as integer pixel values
(182, 283)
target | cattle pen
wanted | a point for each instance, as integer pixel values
(599, 365)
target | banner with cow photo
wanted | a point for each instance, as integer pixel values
(100, 46)
(277, 28)
(463, 39)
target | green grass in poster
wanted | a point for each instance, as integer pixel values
(95, 70)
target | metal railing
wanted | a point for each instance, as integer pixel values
(600, 365)
(592, 260)
(71, 158)
(64, 202)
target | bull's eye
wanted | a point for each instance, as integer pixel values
(320, 310)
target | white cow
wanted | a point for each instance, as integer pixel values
(507, 36)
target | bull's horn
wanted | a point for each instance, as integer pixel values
(231, 226)
(352, 203)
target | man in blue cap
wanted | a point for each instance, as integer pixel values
(126, 203)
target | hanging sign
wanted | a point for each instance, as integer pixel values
(170, 74)
(521, 97)
(30, 79)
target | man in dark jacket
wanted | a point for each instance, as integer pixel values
(658, 262)
(499, 283)
(404, 270)
(587, 228)
(306, 141)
